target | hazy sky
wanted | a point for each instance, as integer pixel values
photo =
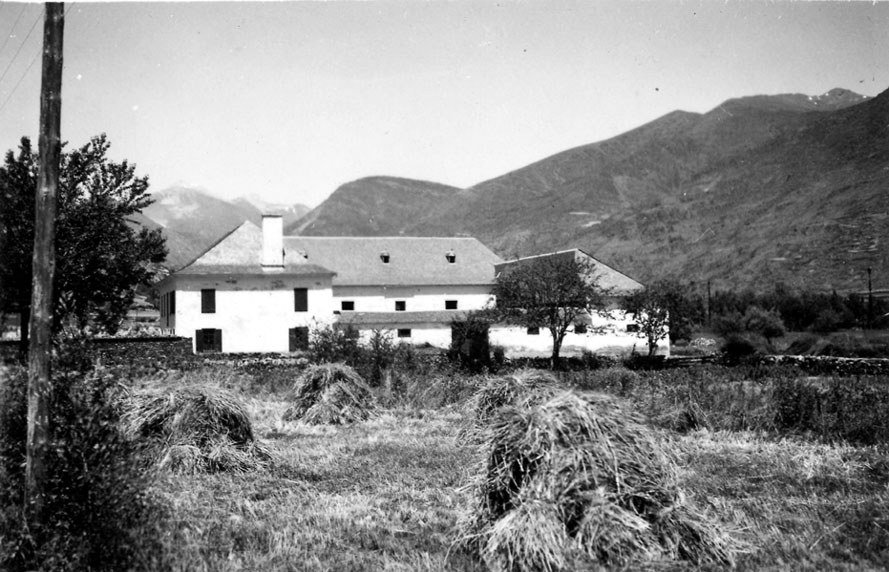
(288, 100)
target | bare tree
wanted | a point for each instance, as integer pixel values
(551, 291)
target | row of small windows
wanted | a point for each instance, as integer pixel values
(400, 305)
(210, 339)
(300, 302)
(581, 329)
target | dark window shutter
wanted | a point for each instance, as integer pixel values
(208, 301)
(299, 339)
(172, 307)
(198, 341)
(300, 300)
(217, 340)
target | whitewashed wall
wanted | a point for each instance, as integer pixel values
(606, 336)
(416, 298)
(436, 335)
(254, 313)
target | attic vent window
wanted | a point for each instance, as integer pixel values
(452, 258)
(384, 256)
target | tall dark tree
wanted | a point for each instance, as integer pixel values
(101, 254)
(552, 292)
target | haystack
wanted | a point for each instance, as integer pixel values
(195, 429)
(579, 480)
(330, 394)
(521, 389)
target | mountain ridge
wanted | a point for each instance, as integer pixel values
(720, 196)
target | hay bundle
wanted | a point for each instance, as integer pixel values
(195, 429)
(521, 389)
(331, 394)
(579, 480)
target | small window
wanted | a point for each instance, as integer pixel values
(400, 306)
(450, 304)
(384, 256)
(452, 258)
(208, 301)
(404, 332)
(533, 331)
(632, 327)
(580, 328)
(348, 306)
(300, 300)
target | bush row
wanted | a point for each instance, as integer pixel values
(754, 397)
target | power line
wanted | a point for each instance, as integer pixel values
(11, 30)
(22, 45)
(24, 75)
(30, 65)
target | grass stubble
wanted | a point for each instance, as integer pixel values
(388, 494)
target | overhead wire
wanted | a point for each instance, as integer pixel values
(30, 65)
(22, 45)
(11, 30)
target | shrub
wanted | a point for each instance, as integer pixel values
(103, 516)
(737, 348)
(329, 344)
(378, 356)
(330, 394)
(469, 344)
(764, 323)
(202, 428)
(580, 480)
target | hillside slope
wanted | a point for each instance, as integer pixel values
(373, 206)
(758, 190)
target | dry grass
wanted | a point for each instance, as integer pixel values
(579, 480)
(387, 494)
(195, 429)
(331, 393)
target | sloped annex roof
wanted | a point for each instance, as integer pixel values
(607, 277)
(412, 261)
(240, 252)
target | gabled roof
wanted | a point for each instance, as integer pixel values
(240, 252)
(418, 261)
(606, 277)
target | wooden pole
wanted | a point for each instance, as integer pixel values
(39, 353)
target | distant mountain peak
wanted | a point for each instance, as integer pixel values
(836, 98)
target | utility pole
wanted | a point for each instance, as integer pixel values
(39, 353)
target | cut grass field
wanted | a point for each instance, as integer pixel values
(386, 494)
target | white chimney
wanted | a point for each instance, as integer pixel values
(272, 240)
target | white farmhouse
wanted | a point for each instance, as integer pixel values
(259, 291)
(612, 332)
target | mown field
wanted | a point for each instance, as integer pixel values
(387, 494)
(795, 484)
